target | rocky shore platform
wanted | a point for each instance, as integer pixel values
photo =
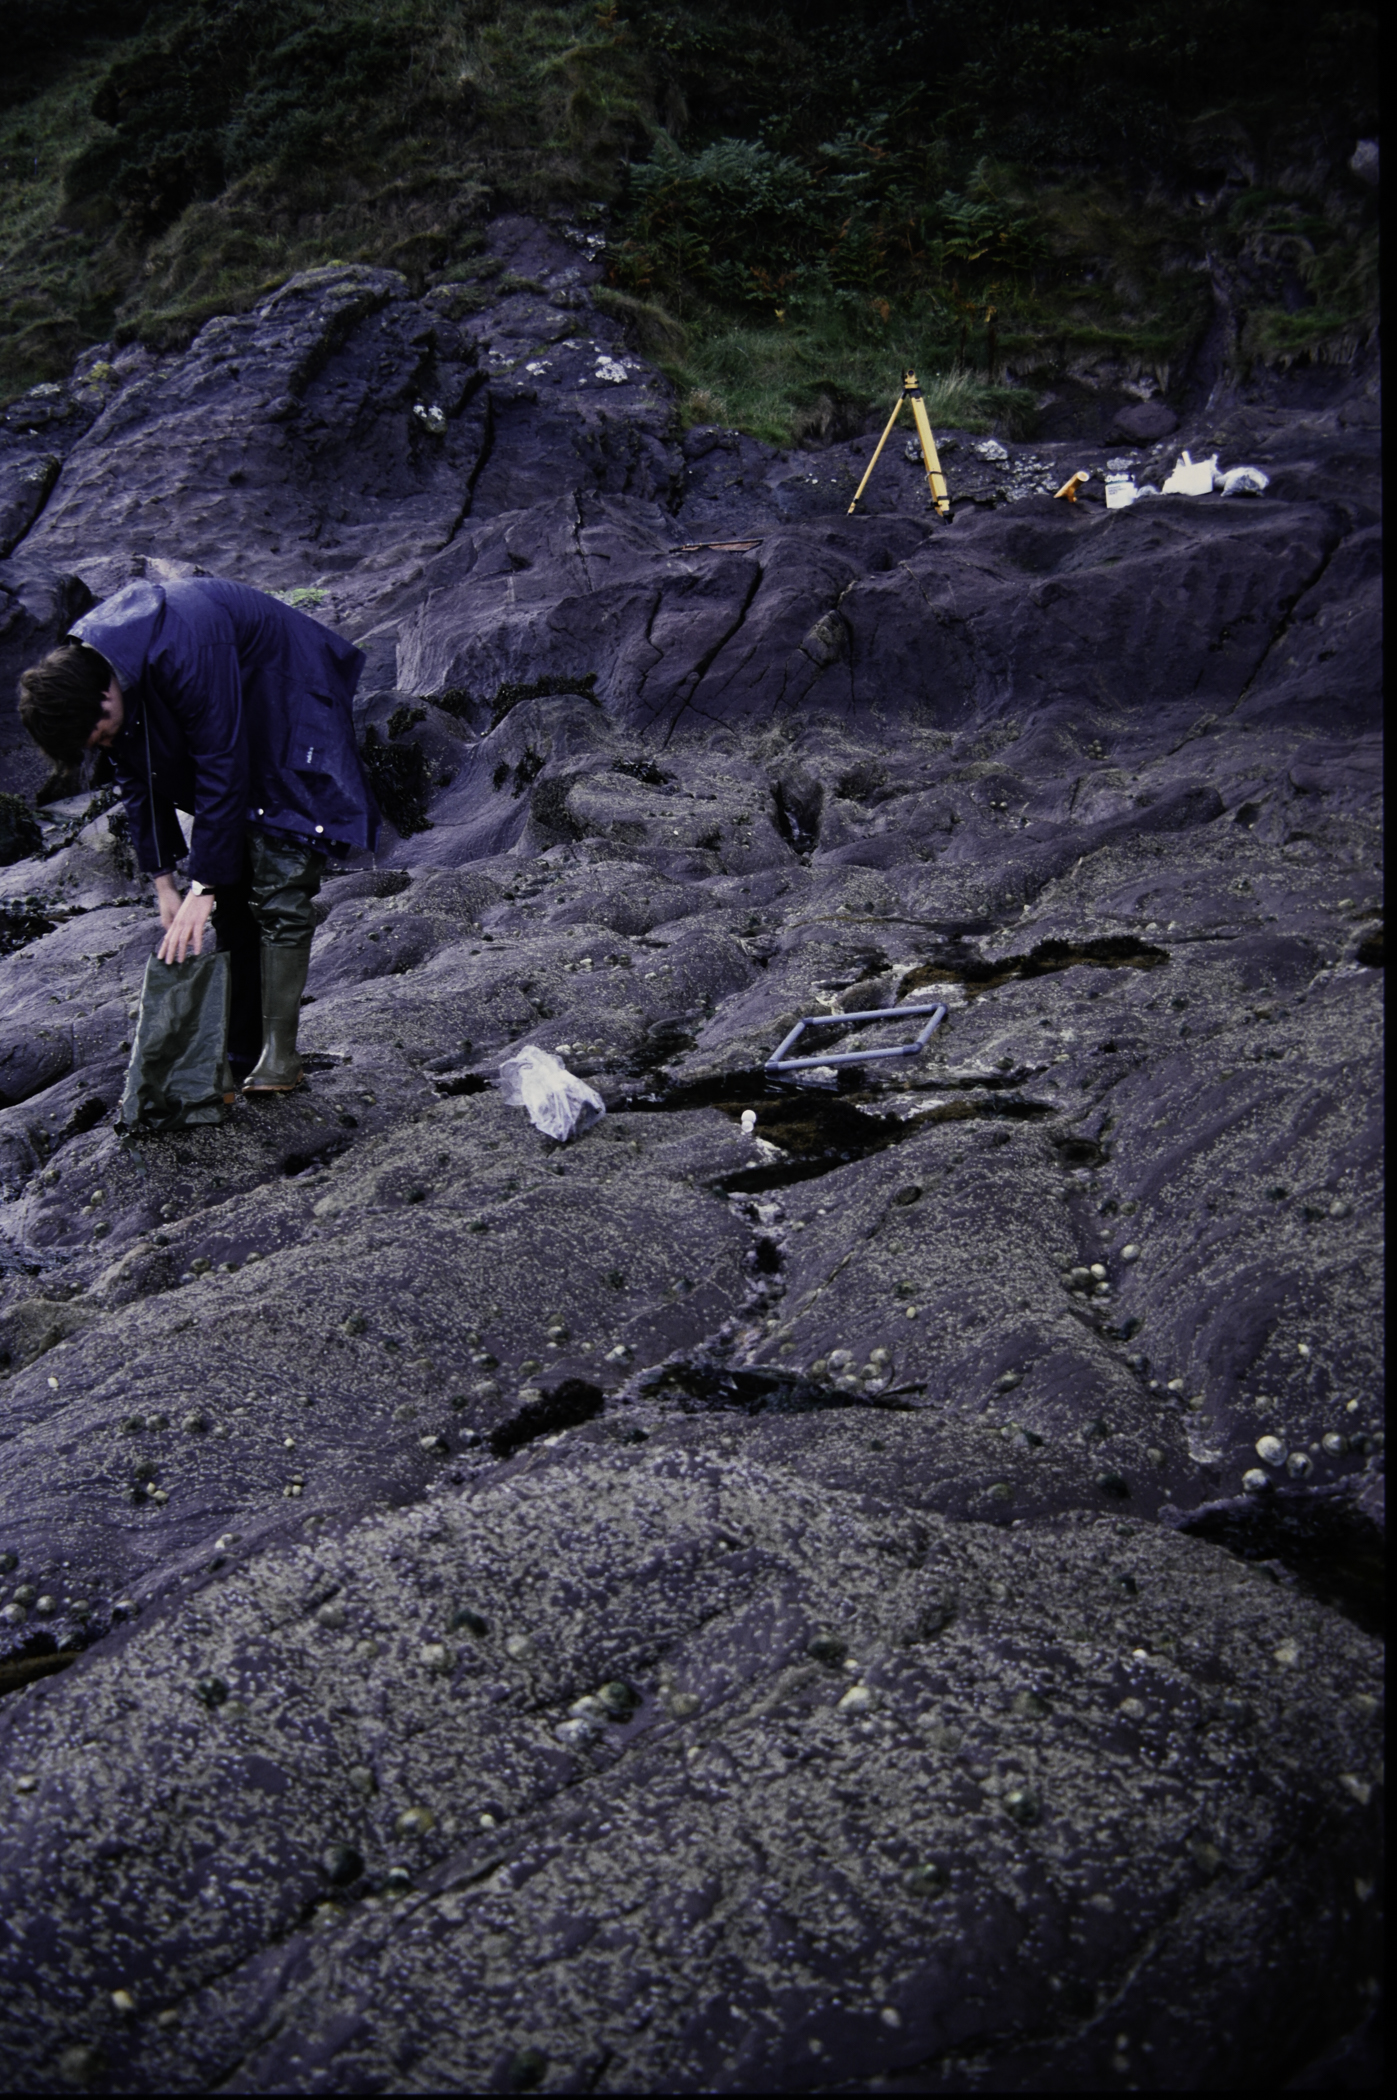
(884, 1599)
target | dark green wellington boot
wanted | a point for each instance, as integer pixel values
(278, 1069)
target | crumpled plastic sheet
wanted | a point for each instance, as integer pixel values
(559, 1103)
(1191, 477)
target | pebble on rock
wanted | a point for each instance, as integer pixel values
(342, 1864)
(526, 2070)
(81, 2064)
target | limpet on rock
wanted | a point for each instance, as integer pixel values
(578, 1732)
(413, 1822)
(1270, 1450)
(927, 1879)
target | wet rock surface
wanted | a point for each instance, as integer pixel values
(865, 1578)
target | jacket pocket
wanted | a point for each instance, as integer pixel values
(322, 755)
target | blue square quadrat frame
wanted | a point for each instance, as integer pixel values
(781, 1061)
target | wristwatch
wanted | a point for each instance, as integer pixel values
(200, 889)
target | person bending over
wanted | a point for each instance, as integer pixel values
(220, 700)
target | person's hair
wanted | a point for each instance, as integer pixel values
(60, 700)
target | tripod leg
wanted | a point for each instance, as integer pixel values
(940, 496)
(897, 411)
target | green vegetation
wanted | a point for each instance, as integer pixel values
(799, 202)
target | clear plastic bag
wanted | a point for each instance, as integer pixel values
(559, 1104)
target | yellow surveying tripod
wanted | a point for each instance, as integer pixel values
(935, 478)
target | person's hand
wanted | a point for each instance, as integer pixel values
(167, 900)
(185, 931)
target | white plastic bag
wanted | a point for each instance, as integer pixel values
(559, 1104)
(1243, 481)
(1191, 477)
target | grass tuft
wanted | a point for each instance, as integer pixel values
(800, 383)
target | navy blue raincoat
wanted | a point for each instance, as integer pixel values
(237, 709)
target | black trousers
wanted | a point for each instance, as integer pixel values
(270, 903)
